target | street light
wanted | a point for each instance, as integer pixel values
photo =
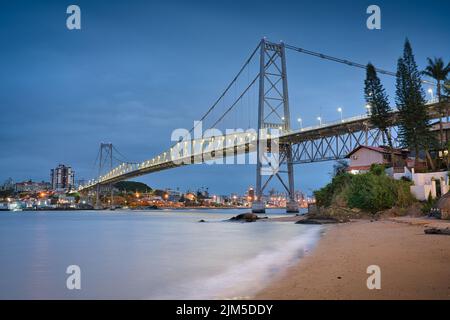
(430, 91)
(320, 120)
(340, 111)
(300, 121)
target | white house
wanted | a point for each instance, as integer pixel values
(362, 157)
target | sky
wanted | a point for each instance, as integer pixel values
(137, 70)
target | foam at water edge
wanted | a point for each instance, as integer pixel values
(246, 279)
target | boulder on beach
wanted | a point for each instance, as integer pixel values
(246, 217)
(443, 205)
(438, 231)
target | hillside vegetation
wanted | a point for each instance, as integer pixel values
(370, 192)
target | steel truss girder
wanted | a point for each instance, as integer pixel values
(334, 147)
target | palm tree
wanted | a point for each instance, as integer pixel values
(447, 89)
(437, 70)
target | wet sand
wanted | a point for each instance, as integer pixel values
(413, 265)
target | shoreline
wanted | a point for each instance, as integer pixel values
(413, 265)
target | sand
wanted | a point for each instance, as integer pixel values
(413, 265)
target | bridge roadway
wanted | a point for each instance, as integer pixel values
(328, 141)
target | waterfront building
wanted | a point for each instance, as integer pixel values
(62, 178)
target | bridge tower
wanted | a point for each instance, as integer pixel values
(273, 113)
(105, 156)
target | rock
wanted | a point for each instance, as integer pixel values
(247, 217)
(201, 220)
(317, 221)
(443, 205)
(438, 231)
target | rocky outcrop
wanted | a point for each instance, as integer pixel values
(246, 217)
(317, 221)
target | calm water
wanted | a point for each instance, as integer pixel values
(144, 255)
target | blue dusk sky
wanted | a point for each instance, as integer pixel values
(139, 69)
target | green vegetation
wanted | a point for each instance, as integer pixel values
(377, 99)
(132, 186)
(437, 70)
(429, 204)
(76, 195)
(371, 192)
(414, 122)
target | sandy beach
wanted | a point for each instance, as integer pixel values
(413, 265)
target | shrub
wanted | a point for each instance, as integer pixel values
(372, 192)
(324, 197)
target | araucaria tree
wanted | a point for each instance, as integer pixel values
(414, 122)
(377, 99)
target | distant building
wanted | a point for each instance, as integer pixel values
(63, 178)
(8, 185)
(363, 157)
(31, 186)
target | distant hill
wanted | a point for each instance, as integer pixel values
(132, 186)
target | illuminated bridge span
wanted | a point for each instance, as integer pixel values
(327, 141)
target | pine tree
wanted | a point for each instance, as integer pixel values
(414, 121)
(380, 111)
(377, 99)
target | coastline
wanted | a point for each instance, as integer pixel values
(413, 265)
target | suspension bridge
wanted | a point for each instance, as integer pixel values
(265, 87)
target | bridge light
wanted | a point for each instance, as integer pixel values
(430, 91)
(300, 121)
(340, 111)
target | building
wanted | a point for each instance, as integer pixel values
(8, 185)
(362, 158)
(31, 186)
(436, 129)
(62, 178)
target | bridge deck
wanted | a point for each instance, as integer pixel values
(208, 149)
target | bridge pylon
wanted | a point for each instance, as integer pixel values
(105, 155)
(273, 113)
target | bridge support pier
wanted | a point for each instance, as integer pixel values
(258, 207)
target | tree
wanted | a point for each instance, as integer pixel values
(447, 90)
(380, 111)
(437, 70)
(340, 167)
(414, 122)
